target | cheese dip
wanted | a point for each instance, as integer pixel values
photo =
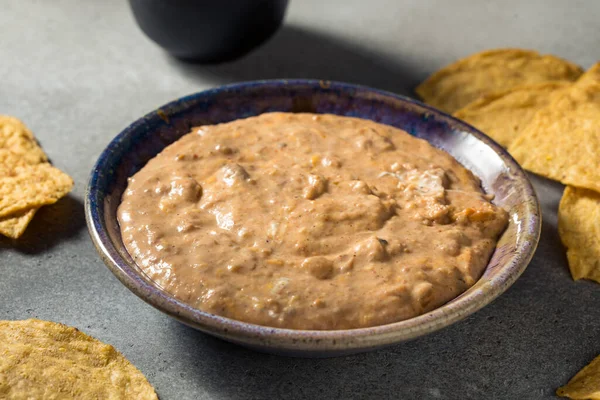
(309, 221)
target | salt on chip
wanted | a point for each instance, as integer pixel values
(562, 141)
(47, 360)
(32, 186)
(15, 136)
(502, 115)
(585, 385)
(579, 230)
(480, 74)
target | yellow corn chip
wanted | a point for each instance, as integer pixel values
(32, 186)
(14, 225)
(502, 115)
(591, 75)
(15, 136)
(585, 385)
(18, 147)
(46, 360)
(562, 141)
(10, 160)
(579, 230)
(462, 82)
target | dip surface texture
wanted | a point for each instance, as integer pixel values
(309, 221)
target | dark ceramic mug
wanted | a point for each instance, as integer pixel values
(208, 31)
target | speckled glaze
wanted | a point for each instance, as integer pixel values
(146, 137)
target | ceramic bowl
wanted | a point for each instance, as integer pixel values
(208, 31)
(146, 137)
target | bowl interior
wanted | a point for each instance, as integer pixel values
(145, 138)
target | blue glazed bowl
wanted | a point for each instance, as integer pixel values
(146, 137)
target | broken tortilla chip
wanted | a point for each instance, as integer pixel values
(15, 136)
(579, 230)
(18, 148)
(585, 385)
(502, 115)
(590, 76)
(460, 83)
(47, 360)
(32, 186)
(14, 225)
(562, 141)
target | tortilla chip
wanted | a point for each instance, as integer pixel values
(18, 147)
(579, 230)
(15, 136)
(460, 83)
(590, 76)
(46, 360)
(32, 186)
(562, 141)
(502, 115)
(585, 384)
(9, 160)
(14, 225)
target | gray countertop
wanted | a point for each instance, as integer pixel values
(78, 72)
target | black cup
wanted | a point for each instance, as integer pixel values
(208, 31)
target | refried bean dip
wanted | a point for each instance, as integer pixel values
(309, 221)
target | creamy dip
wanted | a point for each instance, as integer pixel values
(309, 221)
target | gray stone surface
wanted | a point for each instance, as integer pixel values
(77, 72)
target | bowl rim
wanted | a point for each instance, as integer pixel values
(313, 340)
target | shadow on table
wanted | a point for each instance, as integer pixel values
(296, 52)
(528, 342)
(549, 193)
(51, 225)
